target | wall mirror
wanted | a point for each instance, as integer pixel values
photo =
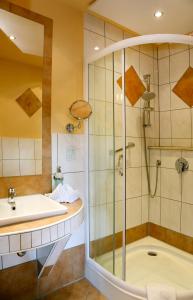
(25, 97)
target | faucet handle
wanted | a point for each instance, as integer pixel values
(11, 191)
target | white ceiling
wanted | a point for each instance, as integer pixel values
(29, 35)
(138, 15)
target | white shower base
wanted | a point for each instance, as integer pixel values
(171, 266)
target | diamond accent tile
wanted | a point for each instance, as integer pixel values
(29, 102)
(134, 87)
(184, 87)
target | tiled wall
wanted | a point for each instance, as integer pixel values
(172, 208)
(20, 156)
(175, 115)
(102, 86)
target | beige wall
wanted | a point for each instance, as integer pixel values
(15, 78)
(67, 70)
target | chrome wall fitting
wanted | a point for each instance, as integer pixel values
(181, 165)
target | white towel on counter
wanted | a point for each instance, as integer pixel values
(160, 292)
(64, 193)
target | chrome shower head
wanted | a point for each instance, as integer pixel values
(147, 96)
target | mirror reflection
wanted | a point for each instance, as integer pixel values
(21, 68)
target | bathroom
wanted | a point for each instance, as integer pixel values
(96, 113)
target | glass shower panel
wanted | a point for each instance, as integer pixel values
(101, 162)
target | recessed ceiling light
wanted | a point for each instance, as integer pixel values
(158, 14)
(12, 37)
(96, 48)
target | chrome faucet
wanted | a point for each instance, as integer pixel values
(11, 200)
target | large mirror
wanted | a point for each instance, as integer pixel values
(21, 71)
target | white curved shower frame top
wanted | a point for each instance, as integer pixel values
(142, 40)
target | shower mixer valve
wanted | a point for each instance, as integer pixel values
(182, 165)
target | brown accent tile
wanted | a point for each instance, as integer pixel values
(19, 282)
(69, 267)
(81, 290)
(171, 237)
(26, 185)
(184, 87)
(106, 244)
(134, 87)
(29, 102)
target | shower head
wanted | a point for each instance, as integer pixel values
(147, 96)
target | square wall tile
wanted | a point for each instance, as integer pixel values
(133, 182)
(186, 221)
(76, 181)
(27, 167)
(91, 40)
(38, 148)
(175, 48)
(170, 184)
(165, 125)
(11, 168)
(188, 155)
(54, 152)
(176, 102)
(164, 71)
(26, 148)
(132, 59)
(178, 65)
(168, 158)
(99, 88)
(181, 123)
(10, 148)
(187, 187)
(133, 212)
(38, 165)
(133, 122)
(170, 214)
(94, 24)
(145, 204)
(133, 154)
(118, 216)
(164, 96)
(163, 51)
(99, 117)
(154, 210)
(146, 66)
(113, 33)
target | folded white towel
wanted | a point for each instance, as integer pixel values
(160, 292)
(64, 193)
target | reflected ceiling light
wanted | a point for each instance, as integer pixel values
(12, 37)
(158, 14)
(96, 48)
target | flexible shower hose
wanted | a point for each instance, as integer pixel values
(152, 195)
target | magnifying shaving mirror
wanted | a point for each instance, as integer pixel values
(80, 110)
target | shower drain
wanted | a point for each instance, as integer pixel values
(152, 253)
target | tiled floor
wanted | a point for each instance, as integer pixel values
(81, 290)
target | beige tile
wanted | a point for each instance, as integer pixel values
(186, 221)
(117, 90)
(153, 180)
(164, 96)
(10, 148)
(175, 48)
(181, 142)
(133, 122)
(27, 167)
(100, 114)
(132, 59)
(178, 65)
(181, 123)
(133, 212)
(38, 165)
(170, 184)
(163, 50)
(145, 206)
(118, 216)
(147, 49)
(168, 158)
(91, 40)
(11, 168)
(154, 210)
(164, 70)
(133, 182)
(144, 182)
(165, 125)
(187, 187)
(188, 155)
(133, 154)
(146, 66)
(113, 33)
(26, 148)
(38, 148)
(109, 85)
(154, 156)
(99, 74)
(118, 120)
(94, 24)
(170, 214)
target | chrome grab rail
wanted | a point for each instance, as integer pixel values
(129, 145)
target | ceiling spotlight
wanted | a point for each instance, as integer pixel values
(96, 48)
(158, 14)
(12, 37)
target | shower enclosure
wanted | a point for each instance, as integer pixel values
(140, 169)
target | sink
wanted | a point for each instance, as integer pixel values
(29, 208)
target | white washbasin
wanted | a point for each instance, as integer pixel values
(29, 208)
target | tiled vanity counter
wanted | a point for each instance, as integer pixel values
(38, 233)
